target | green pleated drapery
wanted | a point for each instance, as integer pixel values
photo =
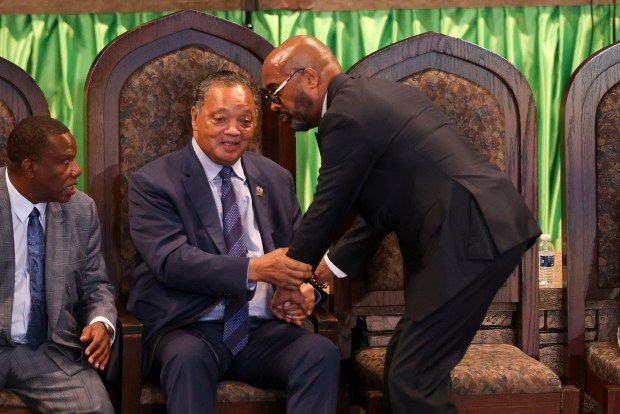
(545, 43)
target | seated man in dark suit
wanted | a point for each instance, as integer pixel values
(209, 224)
(57, 303)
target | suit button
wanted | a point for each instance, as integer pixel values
(69, 289)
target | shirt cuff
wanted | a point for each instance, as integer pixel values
(249, 285)
(339, 273)
(108, 324)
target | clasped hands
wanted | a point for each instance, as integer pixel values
(293, 300)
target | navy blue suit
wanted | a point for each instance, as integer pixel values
(181, 272)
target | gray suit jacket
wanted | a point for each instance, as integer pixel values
(76, 282)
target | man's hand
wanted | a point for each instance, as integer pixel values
(98, 351)
(323, 273)
(293, 305)
(278, 269)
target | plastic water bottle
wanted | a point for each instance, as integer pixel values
(546, 259)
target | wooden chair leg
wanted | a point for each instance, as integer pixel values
(373, 402)
(612, 399)
(570, 400)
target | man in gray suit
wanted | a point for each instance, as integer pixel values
(56, 301)
(390, 152)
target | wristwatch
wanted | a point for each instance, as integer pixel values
(316, 283)
(108, 328)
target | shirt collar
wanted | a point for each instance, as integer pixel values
(212, 169)
(20, 205)
(324, 105)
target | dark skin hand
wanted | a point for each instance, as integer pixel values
(98, 351)
(278, 269)
(295, 305)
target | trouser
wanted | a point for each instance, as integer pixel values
(278, 355)
(423, 352)
(47, 388)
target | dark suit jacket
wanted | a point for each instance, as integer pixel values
(388, 151)
(76, 282)
(181, 269)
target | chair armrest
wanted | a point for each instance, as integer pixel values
(127, 324)
(129, 337)
(325, 323)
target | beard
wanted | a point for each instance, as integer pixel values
(300, 116)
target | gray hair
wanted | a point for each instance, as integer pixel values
(228, 78)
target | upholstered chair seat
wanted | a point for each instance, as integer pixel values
(9, 400)
(604, 360)
(485, 369)
(227, 392)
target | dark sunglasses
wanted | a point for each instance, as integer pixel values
(272, 94)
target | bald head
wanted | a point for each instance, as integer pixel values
(296, 75)
(303, 51)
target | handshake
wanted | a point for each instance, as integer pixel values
(293, 300)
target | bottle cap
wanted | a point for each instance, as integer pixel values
(545, 237)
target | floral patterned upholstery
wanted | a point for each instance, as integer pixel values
(7, 121)
(470, 106)
(9, 400)
(154, 119)
(478, 113)
(485, 369)
(386, 268)
(227, 392)
(608, 191)
(604, 360)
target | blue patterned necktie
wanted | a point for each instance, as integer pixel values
(235, 334)
(37, 324)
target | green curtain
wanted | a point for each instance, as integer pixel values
(545, 43)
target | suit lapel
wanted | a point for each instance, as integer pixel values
(7, 260)
(197, 187)
(57, 248)
(259, 191)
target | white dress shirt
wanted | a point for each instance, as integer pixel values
(260, 305)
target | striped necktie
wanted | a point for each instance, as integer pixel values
(236, 311)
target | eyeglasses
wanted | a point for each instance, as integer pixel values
(272, 96)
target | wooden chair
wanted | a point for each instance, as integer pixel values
(20, 97)
(591, 222)
(138, 98)
(490, 100)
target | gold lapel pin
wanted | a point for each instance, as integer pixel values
(259, 191)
